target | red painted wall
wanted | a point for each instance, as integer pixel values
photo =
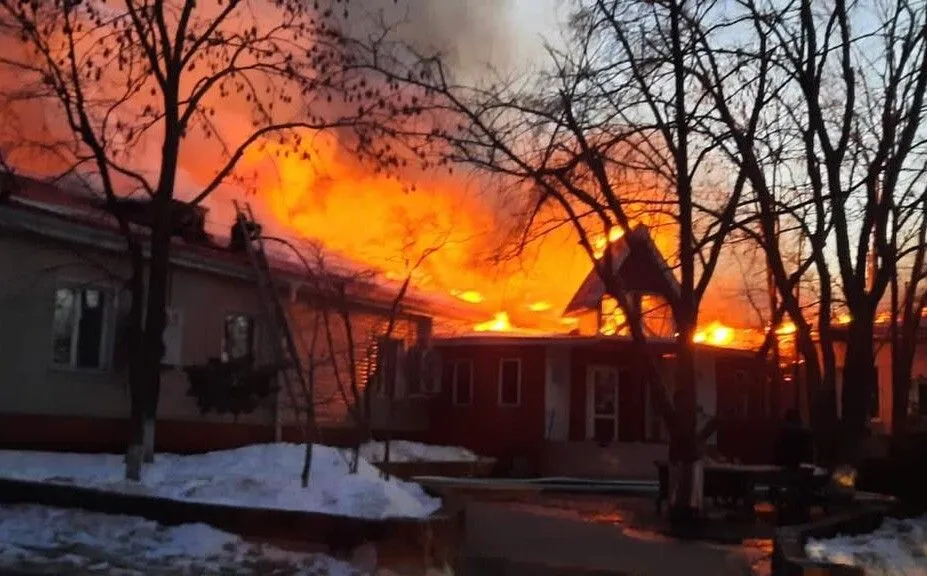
(484, 426)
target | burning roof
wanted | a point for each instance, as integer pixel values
(636, 259)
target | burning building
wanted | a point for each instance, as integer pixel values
(537, 397)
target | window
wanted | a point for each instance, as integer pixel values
(80, 327)
(510, 382)
(462, 383)
(384, 357)
(423, 376)
(238, 338)
(602, 404)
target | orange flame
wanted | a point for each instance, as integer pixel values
(499, 323)
(715, 334)
(471, 296)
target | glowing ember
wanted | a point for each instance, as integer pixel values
(715, 334)
(471, 296)
(499, 323)
(540, 306)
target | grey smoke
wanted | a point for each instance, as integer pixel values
(470, 34)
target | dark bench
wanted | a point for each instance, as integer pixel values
(734, 485)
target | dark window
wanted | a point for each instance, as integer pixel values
(238, 338)
(462, 383)
(510, 382)
(79, 328)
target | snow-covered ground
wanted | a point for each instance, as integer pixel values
(260, 476)
(898, 547)
(403, 451)
(39, 539)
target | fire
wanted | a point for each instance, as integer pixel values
(471, 296)
(499, 323)
(382, 224)
(715, 334)
(603, 240)
(844, 319)
(786, 328)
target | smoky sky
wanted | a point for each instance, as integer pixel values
(470, 34)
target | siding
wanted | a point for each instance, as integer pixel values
(485, 426)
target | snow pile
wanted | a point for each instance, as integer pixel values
(897, 547)
(403, 451)
(259, 476)
(39, 539)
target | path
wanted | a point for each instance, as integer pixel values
(506, 539)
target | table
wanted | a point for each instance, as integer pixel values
(733, 483)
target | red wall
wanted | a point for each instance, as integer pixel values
(484, 426)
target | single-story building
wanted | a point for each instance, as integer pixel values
(563, 403)
(63, 300)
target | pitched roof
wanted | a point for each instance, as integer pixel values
(640, 265)
(79, 217)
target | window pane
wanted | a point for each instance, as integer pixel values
(462, 383)
(509, 381)
(90, 329)
(63, 326)
(239, 337)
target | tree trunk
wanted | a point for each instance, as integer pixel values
(683, 451)
(902, 363)
(133, 344)
(307, 464)
(859, 386)
(152, 351)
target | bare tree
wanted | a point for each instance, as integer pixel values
(852, 86)
(610, 135)
(152, 79)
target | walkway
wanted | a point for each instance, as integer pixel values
(510, 539)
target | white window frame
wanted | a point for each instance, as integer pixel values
(455, 385)
(254, 333)
(107, 331)
(517, 403)
(591, 416)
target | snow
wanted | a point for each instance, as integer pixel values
(404, 451)
(258, 476)
(62, 541)
(897, 547)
